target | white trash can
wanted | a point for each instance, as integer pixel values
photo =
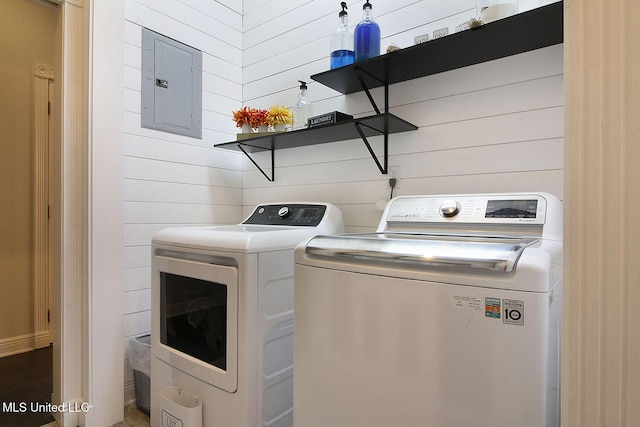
(179, 408)
(140, 362)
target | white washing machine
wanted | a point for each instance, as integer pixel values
(222, 314)
(448, 316)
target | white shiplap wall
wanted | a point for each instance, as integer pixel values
(172, 180)
(492, 127)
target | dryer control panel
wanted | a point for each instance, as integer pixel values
(305, 215)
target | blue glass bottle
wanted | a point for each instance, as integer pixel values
(367, 35)
(342, 41)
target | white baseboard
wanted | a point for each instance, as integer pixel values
(42, 339)
(24, 343)
(129, 393)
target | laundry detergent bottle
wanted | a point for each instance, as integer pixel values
(367, 35)
(342, 41)
(302, 108)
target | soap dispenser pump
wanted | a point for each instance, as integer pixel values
(367, 35)
(301, 109)
(342, 41)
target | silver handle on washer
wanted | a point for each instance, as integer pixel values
(485, 255)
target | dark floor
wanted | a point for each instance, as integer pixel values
(26, 379)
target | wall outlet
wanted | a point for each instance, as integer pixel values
(394, 172)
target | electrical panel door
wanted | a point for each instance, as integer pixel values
(171, 85)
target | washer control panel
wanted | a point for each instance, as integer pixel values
(305, 215)
(504, 209)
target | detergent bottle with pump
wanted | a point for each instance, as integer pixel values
(342, 41)
(367, 35)
(301, 109)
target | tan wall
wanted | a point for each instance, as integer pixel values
(601, 360)
(26, 34)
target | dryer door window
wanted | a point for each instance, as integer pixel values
(193, 317)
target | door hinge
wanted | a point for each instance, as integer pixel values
(49, 108)
(49, 212)
(48, 316)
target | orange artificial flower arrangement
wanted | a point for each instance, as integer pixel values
(257, 117)
(242, 117)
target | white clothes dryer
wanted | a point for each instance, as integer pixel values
(222, 313)
(449, 315)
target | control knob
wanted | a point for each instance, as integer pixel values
(283, 212)
(449, 208)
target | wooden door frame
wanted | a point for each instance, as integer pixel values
(43, 85)
(88, 224)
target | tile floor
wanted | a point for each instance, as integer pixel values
(133, 417)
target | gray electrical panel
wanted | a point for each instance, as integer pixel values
(171, 85)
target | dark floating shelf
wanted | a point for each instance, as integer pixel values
(520, 33)
(371, 126)
(535, 29)
(380, 124)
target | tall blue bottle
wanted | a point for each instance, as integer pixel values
(367, 35)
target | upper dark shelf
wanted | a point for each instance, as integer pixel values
(520, 33)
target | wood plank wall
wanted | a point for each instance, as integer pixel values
(493, 127)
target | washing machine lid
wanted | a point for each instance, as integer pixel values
(474, 252)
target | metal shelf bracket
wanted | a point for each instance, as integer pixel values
(385, 132)
(271, 178)
(384, 168)
(359, 71)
